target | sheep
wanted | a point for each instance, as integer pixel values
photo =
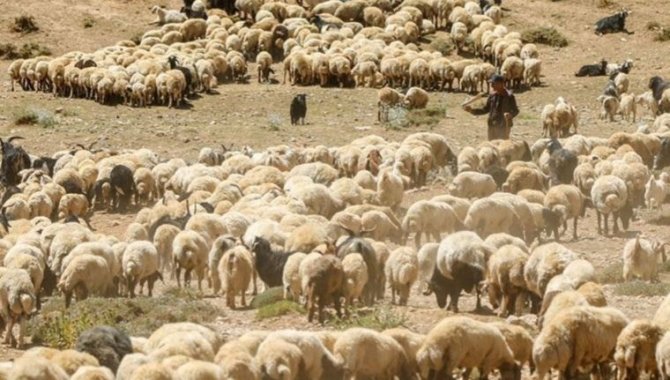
(390, 189)
(71, 360)
(355, 278)
(640, 258)
(107, 344)
(367, 353)
(636, 349)
(189, 252)
(461, 342)
(92, 373)
(416, 98)
(426, 257)
(609, 107)
(609, 195)
(522, 178)
(429, 217)
(85, 273)
(505, 279)
(513, 71)
(140, 264)
(279, 359)
(460, 264)
(323, 279)
(532, 71)
(545, 262)
(401, 271)
(317, 361)
(627, 106)
(472, 185)
(17, 302)
(162, 240)
(166, 16)
(663, 356)
(579, 336)
(563, 202)
(235, 270)
(656, 190)
(386, 98)
(493, 215)
(519, 341)
(35, 367)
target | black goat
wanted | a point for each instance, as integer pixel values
(269, 264)
(662, 158)
(562, 163)
(45, 164)
(613, 24)
(611, 89)
(122, 187)
(465, 277)
(657, 86)
(622, 68)
(14, 159)
(593, 70)
(174, 65)
(107, 344)
(376, 277)
(298, 109)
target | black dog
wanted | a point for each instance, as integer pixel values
(298, 109)
(614, 23)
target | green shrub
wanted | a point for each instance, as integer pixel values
(34, 116)
(430, 116)
(376, 318)
(611, 274)
(59, 328)
(544, 36)
(268, 297)
(663, 35)
(278, 309)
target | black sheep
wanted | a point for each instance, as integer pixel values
(269, 263)
(107, 344)
(174, 65)
(14, 159)
(122, 187)
(376, 278)
(612, 24)
(465, 277)
(662, 158)
(298, 109)
(562, 163)
(593, 70)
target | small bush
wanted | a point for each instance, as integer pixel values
(88, 22)
(278, 309)
(545, 36)
(378, 318)
(398, 117)
(428, 116)
(24, 24)
(443, 45)
(653, 25)
(59, 328)
(641, 288)
(29, 50)
(34, 116)
(663, 35)
(611, 274)
(268, 297)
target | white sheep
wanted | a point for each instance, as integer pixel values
(663, 356)
(85, 274)
(505, 279)
(355, 277)
(166, 16)
(609, 195)
(532, 71)
(235, 269)
(190, 252)
(17, 302)
(93, 373)
(317, 361)
(401, 272)
(579, 336)
(472, 185)
(462, 342)
(140, 264)
(431, 218)
(656, 190)
(627, 106)
(640, 258)
(367, 353)
(662, 316)
(636, 348)
(199, 370)
(291, 276)
(609, 107)
(427, 257)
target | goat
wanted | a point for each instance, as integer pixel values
(298, 109)
(14, 159)
(614, 23)
(592, 70)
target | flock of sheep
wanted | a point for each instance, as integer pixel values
(329, 226)
(363, 42)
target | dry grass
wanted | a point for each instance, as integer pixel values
(545, 36)
(642, 289)
(27, 50)
(24, 24)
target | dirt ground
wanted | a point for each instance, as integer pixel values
(257, 115)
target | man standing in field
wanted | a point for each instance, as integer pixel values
(501, 107)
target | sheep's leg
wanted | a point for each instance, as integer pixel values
(393, 291)
(22, 330)
(8, 331)
(187, 278)
(598, 217)
(615, 227)
(244, 297)
(338, 306)
(177, 272)
(574, 229)
(504, 305)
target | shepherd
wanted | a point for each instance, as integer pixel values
(501, 107)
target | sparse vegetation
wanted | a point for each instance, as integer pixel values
(377, 318)
(443, 45)
(642, 288)
(28, 50)
(89, 21)
(546, 36)
(611, 274)
(59, 328)
(24, 24)
(278, 309)
(653, 25)
(397, 118)
(663, 35)
(34, 116)
(274, 122)
(430, 116)
(268, 297)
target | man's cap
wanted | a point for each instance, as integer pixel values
(496, 78)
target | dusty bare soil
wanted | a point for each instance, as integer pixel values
(257, 115)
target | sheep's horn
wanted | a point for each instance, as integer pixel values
(80, 146)
(12, 138)
(368, 231)
(90, 146)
